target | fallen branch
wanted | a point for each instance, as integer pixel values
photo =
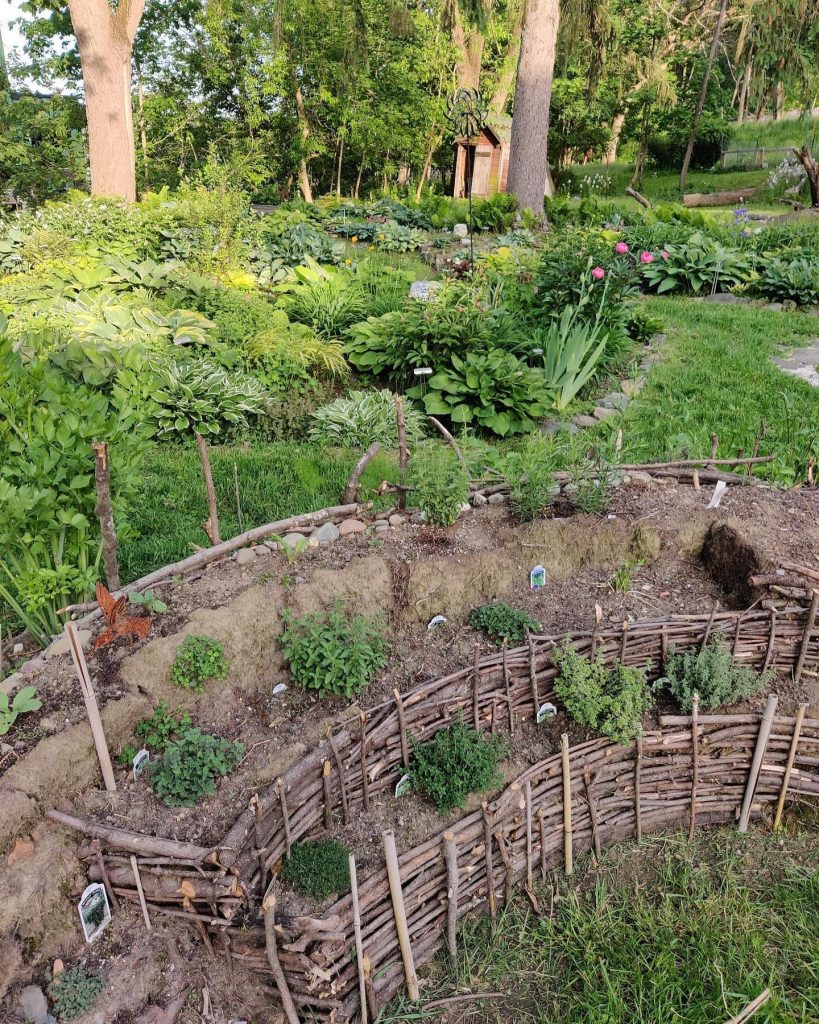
(133, 842)
(350, 493)
(451, 440)
(641, 199)
(751, 1008)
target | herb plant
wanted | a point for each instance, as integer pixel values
(500, 622)
(24, 701)
(529, 471)
(711, 673)
(439, 484)
(318, 868)
(610, 699)
(457, 762)
(198, 660)
(150, 601)
(162, 728)
(331, 652)
(190, 766)
(75, 991)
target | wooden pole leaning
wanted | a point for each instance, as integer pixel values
(91, 708)
(400, 914)
(756, 763)
(451, 857)
(786, 778)
(567, 805)
(359, 945)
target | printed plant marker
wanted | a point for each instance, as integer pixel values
(717, 496)
(94, 911)
(435, 621)
(279, 689)
(422, 371)
(547, 710)
(537, 577)
(140, 762)
(402, 786)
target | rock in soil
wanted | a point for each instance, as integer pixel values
(349, 526)
(33, 1005)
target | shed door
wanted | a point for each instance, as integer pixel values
(480, 175)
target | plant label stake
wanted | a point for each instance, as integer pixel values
(537, 577)
(140, 762)
(402, 786)
(94, 911)
(547, 710)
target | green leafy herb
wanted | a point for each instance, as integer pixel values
(320, 869)
(198, 660)
(456, 763)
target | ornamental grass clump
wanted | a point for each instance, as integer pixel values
(611, 699)
(318, 868)
(457, 762)
(711, 673)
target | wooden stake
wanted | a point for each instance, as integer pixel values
(269, 910)
(714, 445)
(238, 496)
(638, 770)
(756, 764)
(369, 988)
(595, 826)
(476, 687)
(786, 778)
(542, 844)
(350, 492)
(285, 818)
(664, 646)
(529, 878)
(365, 782)
(487, 852)
(598, 614)
(707, 633)
(400, 914)
(359, 945)
(328, 799)
(533, 674)
(451, 857)
(213, 509)
(261, 849)
(91, 708)
(809, 624)
(695, 761)
(507, 681)
(140, 893)
(402, 726)
(106, 881)
(623, 641)
(403, 451)
(771, 642)
(105, 513)
(567, 805)
(737, 628)
(341, 782)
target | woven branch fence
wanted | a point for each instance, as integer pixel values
(725, 768)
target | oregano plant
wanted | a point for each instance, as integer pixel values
(198, 660)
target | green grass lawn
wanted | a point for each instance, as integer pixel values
(715, 376)
(664, 186)
(276, 480)
(664, 933)
(775, 133)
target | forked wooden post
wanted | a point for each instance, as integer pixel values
(567, 805)
(359, 945)
(695, 761)
(91, 708)
(809, 624)
(533, 674)
(212, 527)
(271, 946)
(786, 778)
(529, 878)
(138, 880)
(400, 914)
(328, 798)
(451, 857)
(756, 763)
(487, 852)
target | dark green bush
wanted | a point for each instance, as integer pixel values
(456, 763)
(319, 869)
(500, 622)
(711, 673)
(610, 699)
(74, 992)
(332, 652)
(191, 765)
(198, 660)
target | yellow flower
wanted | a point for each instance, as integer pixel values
(347, 262)
(354, 239)
(370, 248)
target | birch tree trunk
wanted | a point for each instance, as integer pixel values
(104, 40)
(712, 53)
(528, 153)
(610, 156)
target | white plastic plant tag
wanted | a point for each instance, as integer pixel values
(422, 371)
(537, 577)
(716, 497)
(140, 762)
(94, 911)
(402, 786)
(436, 621)
(547, 710)
(279, 689)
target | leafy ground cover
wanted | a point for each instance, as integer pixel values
(665, 931)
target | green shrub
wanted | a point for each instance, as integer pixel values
(75, 991)
(359, 418)
(439, 483)
(710, 672)
(319, 869)
(190, 766)
(198, 660)
(162, 728)
(700, 263)
(529, 471)
(331, 652)
(794, 280)
(457, 762)
(610, 699)
(500, 622)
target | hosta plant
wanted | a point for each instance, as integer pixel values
(794, 280)
(701, 263)
(362, 417)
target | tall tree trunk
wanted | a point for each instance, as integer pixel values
(506, 77)
(806, 158)
(360, 174)
(304, 127)
(743, 93)
(528, 153)
(779, 100)
(617, 122)
(340, 161)
(104, 40)
(712, 53)
(469, 43)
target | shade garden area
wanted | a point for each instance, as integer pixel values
(409, 583)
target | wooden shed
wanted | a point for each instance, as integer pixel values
(485, 159)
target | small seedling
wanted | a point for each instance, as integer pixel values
(198, 660)
(25, 700)
(291, 551)
(150, 601)
(623, 578)
(319, 869)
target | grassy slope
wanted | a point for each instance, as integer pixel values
(715, 376)
(664, 933)
(664, 186)
(276, 481)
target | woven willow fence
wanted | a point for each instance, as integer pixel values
(721, 769)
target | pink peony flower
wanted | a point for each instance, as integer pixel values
(621, 248)
(646, 257)
(598, 273)
(665, 254)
